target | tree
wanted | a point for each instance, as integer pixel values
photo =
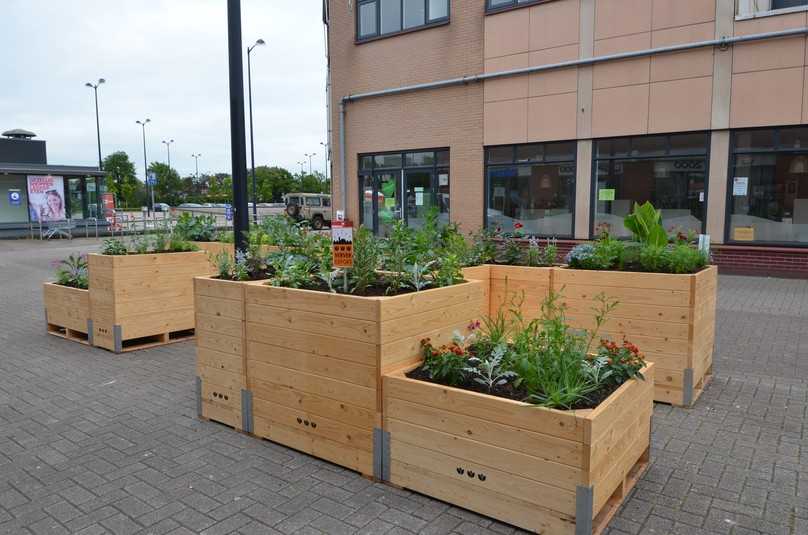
(314, 183)
(273, 183)
(169, 187)
(122, 180)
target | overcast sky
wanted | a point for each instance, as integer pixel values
(165, 60)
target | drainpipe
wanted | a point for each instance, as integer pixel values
(723, 43)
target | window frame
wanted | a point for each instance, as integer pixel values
(358, 39)
(769, 12)
(515, 4)
(517, 163)
(593, 186)
(734, 152)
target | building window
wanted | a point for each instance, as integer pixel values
(377, 18)
(533, 185)
(403, 185)
(752, 7)
(768, 186)
(670, 171)
(500, 5)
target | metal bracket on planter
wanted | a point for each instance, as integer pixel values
(199, 397)
(584, 503)
(90, 332)
(381, 454)
(47, 323)
(117, 335)
(687, 388)
(247, 411)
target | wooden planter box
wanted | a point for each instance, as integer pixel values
(213, 248)
(315, 360)
(671, 318)
(140, 301)
(543, 470)
(67, 312)
(507, 285)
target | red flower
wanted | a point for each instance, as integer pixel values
(517, 225)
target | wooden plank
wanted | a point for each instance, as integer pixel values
(640, 296)
(313, 404)
(622, 279)
(324, 345)
(215, 306)
(535, 276)
(322, 303)
(67, 307)
(219, 325)
(407, 306)
(218, 360)
(339, 327)
(504, 459)
(340, 370)
(630, 327)
(313, 384)
(349, 457)
(219, 342)
(496, 481)
(621, 466)
(142, 325)
(218, 288)
(417, 324)
(649, 312)
(406, 352)
(224, 378)
(611, 444)
(511, 510)
(632, 398)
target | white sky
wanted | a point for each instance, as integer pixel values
(165, 60)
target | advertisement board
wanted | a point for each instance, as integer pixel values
(46, 198)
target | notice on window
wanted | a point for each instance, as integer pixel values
(443, 179)
(743, 234)
(419, 196)
(606, 195)
(740, 186)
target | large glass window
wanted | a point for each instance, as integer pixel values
(403, 185)
(377, 18)
(752, 7)
(768, 186)
(496, 5)
(670, 171)
(533, 185)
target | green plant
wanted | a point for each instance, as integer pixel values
(72, 271)
(511, 253)
(446, 364)
(536, 255)
(241, 271)
(489, 371)
(366, 260)
(140, 243)
(418, 276)
(113, 247)
(224, 264)
(291, 271)
(483, 248)
(645, 224)
(654, 259)
(196, 228)
(685, 259)
(449, 270)
(397, 252)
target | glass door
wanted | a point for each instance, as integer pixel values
(75, 198)
(419, 195)
(388, 201)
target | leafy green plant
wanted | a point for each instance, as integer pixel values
(685, 259)
(418, 276)
(449, 270)
(483, 248)
(113, 247)
(645, 224)
(196, 228)
(224, 264)
(511, 253)
(445, 364)
(241, 271)
(489, 371)
(397, 249)
(366, 260)
(73, 272)
(654, 259)
(291, 271)
(140, 244)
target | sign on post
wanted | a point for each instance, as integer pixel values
(14, 197)
(342, 244)
(228, 212)
(151, 179)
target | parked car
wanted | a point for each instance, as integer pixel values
(312, 207)
(161, 207)
(190, 205)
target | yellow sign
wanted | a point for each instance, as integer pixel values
(743, 234)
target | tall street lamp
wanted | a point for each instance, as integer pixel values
(149, 187)
(302, 171)
(238, 149)
(196, 157)
(309, 156)
(326, 152)
(97, 121)
(168, 148)
(259, 42)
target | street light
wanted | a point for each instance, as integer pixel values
(238, 148)
(259, 42)
(309, 156)
(302, 171)
(196, 157)
(97, 121)
(145, 162)
(168, 148)
(326, 152)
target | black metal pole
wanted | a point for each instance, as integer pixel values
(98, 130)
(241, 217)
(252, 138)
(146, 171)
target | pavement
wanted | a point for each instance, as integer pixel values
(92, 442)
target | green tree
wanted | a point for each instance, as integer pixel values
(219, 188)
(273, 183)
(169, 187)
(122, 180)
(314, 183)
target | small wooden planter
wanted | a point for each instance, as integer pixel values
(508, 285)
(671, 318)
(543, 470)
(314, 362)
(140, 301)
(67, 312)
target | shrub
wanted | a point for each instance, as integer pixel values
(72, 271)
(113, 247)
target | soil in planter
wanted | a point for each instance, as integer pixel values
(253, 276)
(375, 290)
(77, 287)
(508, 391)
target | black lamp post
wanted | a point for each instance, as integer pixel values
(259, 42)
(149, 187)
(241, 218)
(97, 120)
(168, 148)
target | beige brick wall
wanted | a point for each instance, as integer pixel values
(451, 117)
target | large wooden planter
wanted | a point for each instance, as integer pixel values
(670, 317)
(139, 301)
(67, 311)
(315, 360)
(213, 248)
(543, 470)
(508, 286)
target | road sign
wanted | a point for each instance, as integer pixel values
(228, 212)
(14, 197)
(151, 179)
(342, 244)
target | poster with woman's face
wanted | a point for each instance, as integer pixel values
(46, 198)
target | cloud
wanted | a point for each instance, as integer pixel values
(165, 60)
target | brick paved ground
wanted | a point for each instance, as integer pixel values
(95, 443)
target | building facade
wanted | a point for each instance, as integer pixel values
(560, 114)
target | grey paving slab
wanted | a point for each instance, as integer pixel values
(95, 443)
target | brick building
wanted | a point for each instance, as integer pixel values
(560, 114)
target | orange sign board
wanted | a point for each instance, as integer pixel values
(342, 244)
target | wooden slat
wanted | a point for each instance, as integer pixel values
(632, 398)
(321, 303)
(408, 307)
(224, 378)
(340, 327)
(219, 325)
(67, 307)
(622, 279)
(214, 306)
(417, 325)
(218, 360)
(219, 342)
(217, 288)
